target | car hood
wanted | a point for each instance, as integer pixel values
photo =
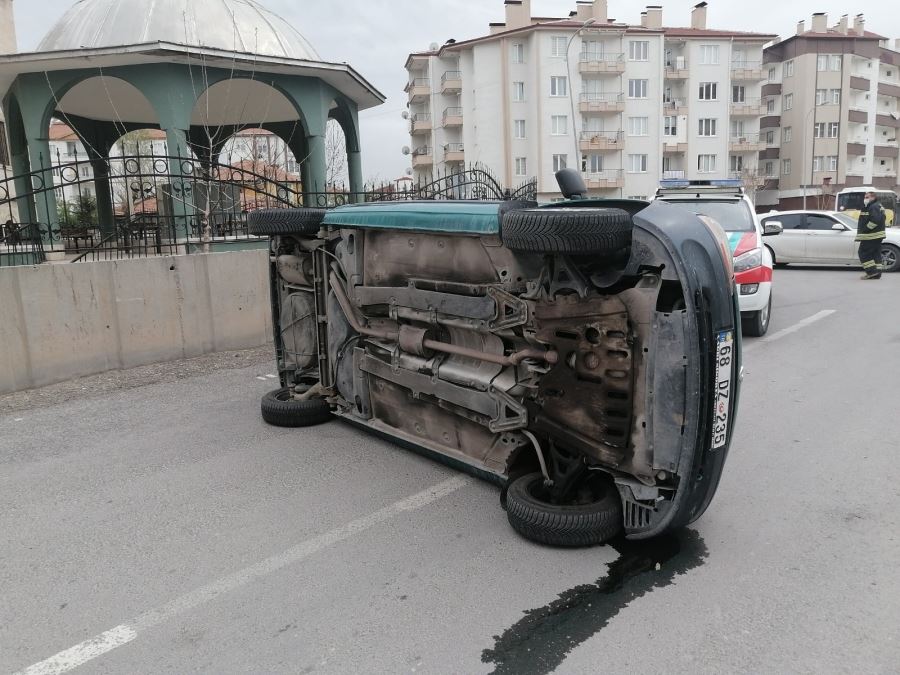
(741, 242)
(892, 235)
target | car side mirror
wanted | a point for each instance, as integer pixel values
(772, 228)
(838, 227)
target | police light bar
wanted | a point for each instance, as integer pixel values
(727, 183)
(674, 183)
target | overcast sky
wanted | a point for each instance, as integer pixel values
(375, 37)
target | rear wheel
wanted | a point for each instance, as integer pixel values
(594, 516)
(757, 323)
(281, 409)
(890, 258)
(274, 222)
(572, 231)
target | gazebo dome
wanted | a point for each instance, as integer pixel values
(233, 25)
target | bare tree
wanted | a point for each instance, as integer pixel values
(754, 180)
(335, 155)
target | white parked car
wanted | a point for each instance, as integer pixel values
(824, 238)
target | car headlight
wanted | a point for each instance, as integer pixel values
(748, 260)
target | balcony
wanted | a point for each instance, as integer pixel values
(421, 123)
(673, 147)
(597, 102)
(858, 115)
(674, 175)
(746, 70)
(454, 152)
(746, 143)
(604, 180)
(856, 149)
(418, 89)
(749, 107)
(590, 63)
(860, 83)
(675, 106)
(422, 156)
(601, 140)
(677, 70)
(451, 82)
(453, 117)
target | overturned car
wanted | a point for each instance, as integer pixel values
(585, 355)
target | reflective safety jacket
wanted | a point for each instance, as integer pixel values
(871, 222)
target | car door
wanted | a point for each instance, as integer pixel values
(790, 245)
(824, 243)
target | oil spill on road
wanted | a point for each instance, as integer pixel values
(544, 637)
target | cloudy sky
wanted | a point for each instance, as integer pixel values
(375, 36)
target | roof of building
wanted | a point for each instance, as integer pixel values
(242, 26)
(833, 33)
(713, 33)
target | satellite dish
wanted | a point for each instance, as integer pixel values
(405, 150)
(404, 115)
(434, 46)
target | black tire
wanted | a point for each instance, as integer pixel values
(890, 256)
(280, 410)
(575, 525)
(757, 323)
(578, 231)
(272, 222)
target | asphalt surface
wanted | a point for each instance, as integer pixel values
(166, 529)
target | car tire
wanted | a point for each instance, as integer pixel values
(757, 323)
(281, 410)
(890, 255)
(570, 526)
(573, 231)
(273, 222)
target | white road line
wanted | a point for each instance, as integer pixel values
(123, 634)
(800, 325)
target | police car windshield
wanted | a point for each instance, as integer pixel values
(733, 215)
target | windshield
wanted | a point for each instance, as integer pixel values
(853, 201)
(733, 215)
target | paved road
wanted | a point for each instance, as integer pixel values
(166, 529)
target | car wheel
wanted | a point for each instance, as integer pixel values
(775, 262)
(890, 258)
(273, 222)
(596, 520)
(281, 409)
(575, 231)
(757, 323)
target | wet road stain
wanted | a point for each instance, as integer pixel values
(540, 641)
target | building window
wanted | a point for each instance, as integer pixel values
(709, 91)
(788, 134)
(521, 166)
(788, 69)
(637, 88)
(786, 167)
(770, 169)
(771, 74)
(770, 106)
(637, 163)
(560, 162)
(836, 62)
(706, 163)
(638, 126)
(85, 172)
(788, 101)
(519, 129)
(559, 125)
(832, 162)
(770, 138)
(518, 91)
(558, 46)
(559, 86)
(738, 94)
(638, 50)
(835, 96)
(834, 129)
(518, 52)
(592, 163)
(818, 163)
(707, 127)
(737, 163)
(709, 55)
(819, 130)
(822, 62)
(670, 125)
(737, 128)
(821, 96)
(71, 149)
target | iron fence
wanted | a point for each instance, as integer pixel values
(147, 205)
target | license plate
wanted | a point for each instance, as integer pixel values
(724, 369)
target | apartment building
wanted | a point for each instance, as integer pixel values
(832, 95)
(627, 104)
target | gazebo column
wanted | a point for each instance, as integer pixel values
(181, 189)
(106, 215)
(313, 100)
(354, 168)
(317, 168)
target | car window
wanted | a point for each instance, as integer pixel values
(814, 221)
(789, 221)
(732, 215)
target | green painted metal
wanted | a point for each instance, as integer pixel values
(456, 217)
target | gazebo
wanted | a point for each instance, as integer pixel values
(199, 70)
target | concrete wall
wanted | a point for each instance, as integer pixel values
(63, 321)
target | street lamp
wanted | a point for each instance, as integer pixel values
(572, 89)
(803, 158)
